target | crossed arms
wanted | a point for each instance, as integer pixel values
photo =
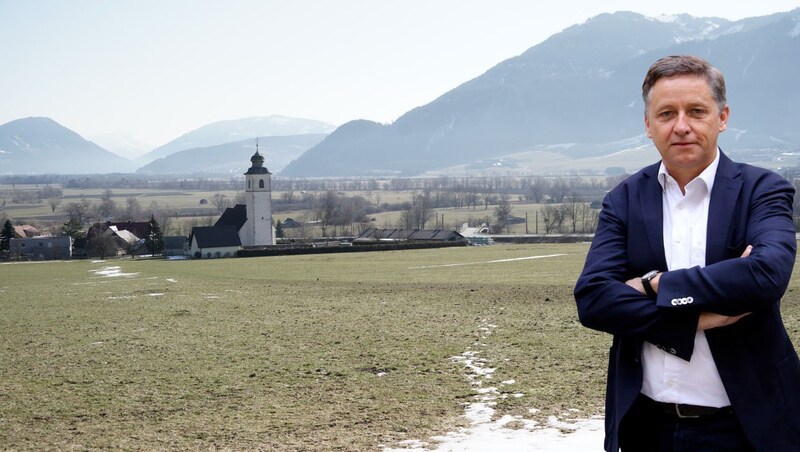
(609, 295)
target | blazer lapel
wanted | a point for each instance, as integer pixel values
(727, 185)
(650, 199)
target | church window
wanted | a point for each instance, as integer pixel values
(248, 184)
(261, 183)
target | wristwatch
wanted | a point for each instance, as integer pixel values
(648, 288)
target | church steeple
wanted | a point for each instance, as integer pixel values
(257, 230)
(257, 161)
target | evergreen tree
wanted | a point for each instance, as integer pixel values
(73, 228)
(6, 235)
(153, 238)
(278, 229)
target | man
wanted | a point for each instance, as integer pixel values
(687, 268)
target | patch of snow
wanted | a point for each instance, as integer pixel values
(111, 272)
(665, 18)
(508, 432)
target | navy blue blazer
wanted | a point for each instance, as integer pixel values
(755, 357)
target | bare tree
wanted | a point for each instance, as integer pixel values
(572, 210)
(503, 211)
(78, 210)
(559, 190)
(49, 191)
(553, 217)
(589, 218)
(536, 189)
(221, 202)
(107, 206)
(326, 211)
(53, 203)
(133, 210)
(102, 246)
(488, 198)
(418, 213)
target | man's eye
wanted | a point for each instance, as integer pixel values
(665, 115)
(699, 112)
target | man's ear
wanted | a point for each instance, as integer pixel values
(723, 118)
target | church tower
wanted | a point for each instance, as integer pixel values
(258, 230)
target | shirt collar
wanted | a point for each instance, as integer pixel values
(707, 176)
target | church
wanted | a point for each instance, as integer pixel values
(243, 225)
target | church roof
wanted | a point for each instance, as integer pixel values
(215, 236)
(258, 164)
(235, 216)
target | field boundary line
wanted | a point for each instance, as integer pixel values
(486, 262)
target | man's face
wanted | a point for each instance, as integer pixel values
(683, 121)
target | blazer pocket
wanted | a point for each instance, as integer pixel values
(789, 376)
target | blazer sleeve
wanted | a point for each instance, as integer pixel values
(738, 285)
(607, 304)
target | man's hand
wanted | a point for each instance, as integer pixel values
(710, 320)
(636, 283)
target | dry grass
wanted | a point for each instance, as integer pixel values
(325, 352)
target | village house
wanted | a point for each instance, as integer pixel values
(113, 239)
(41, 248)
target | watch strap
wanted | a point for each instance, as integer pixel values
(648, 288)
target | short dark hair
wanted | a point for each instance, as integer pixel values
(685, 65)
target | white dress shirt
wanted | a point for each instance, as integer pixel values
(668, 378)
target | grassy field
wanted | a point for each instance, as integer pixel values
(321, 352)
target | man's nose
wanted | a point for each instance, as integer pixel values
(682, 126)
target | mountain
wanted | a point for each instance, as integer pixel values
(235, 130)
(41, 145)
(122, 144)
(233, 158)
(576, 93)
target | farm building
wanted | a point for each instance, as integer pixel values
(42, 248)
(373, 235)
(291, 223)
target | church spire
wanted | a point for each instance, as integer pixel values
(257, 161)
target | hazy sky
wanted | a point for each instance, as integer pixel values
(158, 69)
